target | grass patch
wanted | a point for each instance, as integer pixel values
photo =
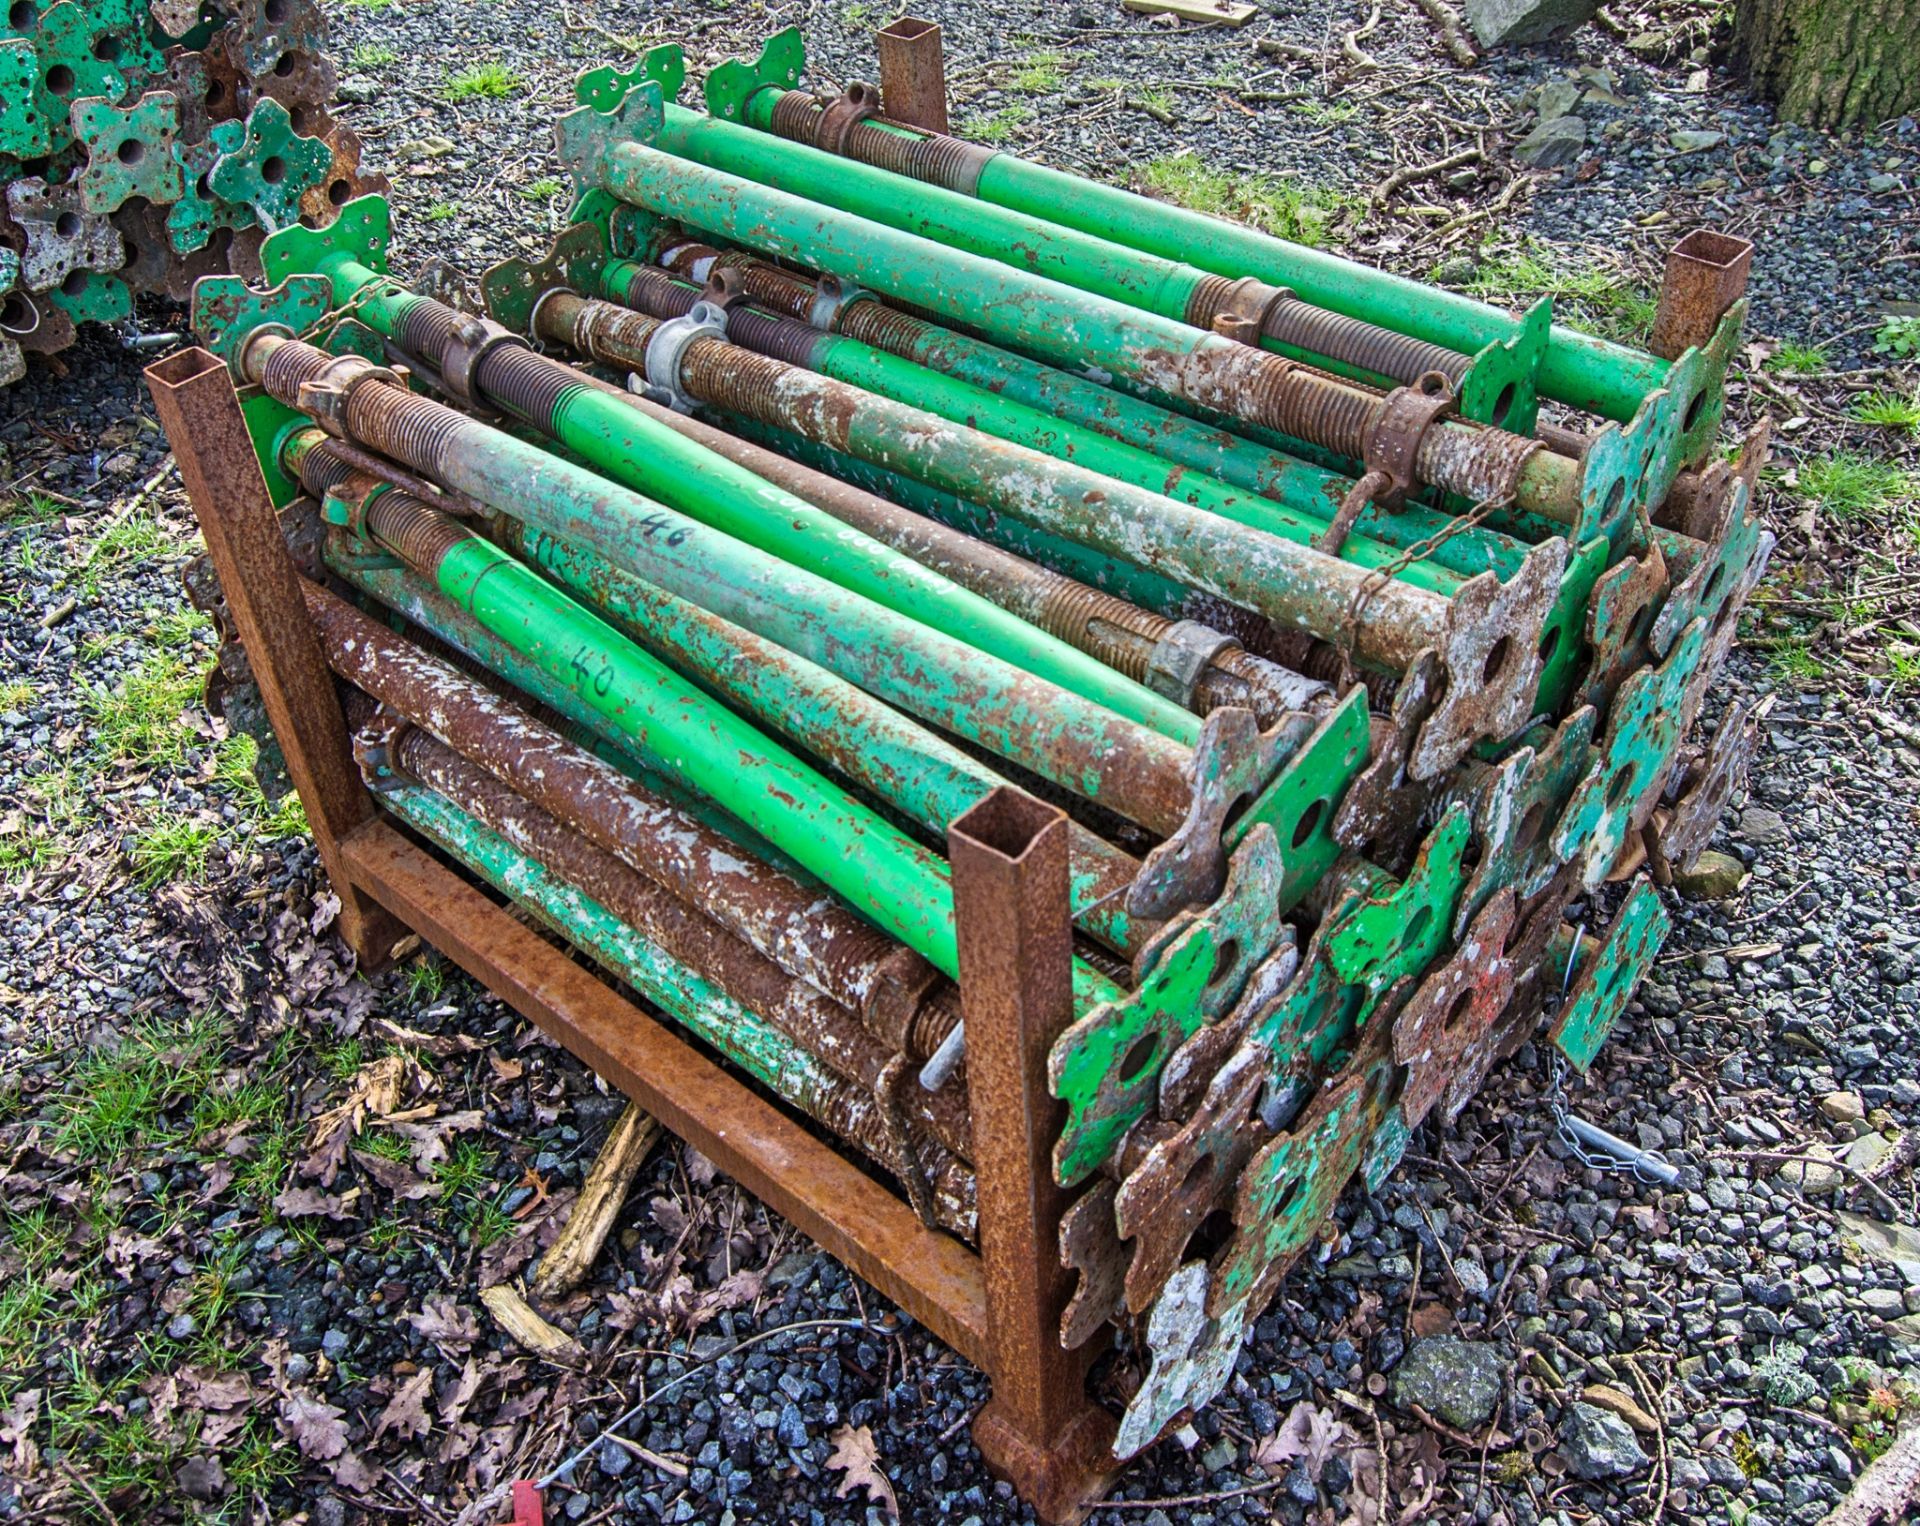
(1796, 665)
(543, 189)
(370, 56)
(425, 982)
(236, 765)
(1039, 73)
(443, 211)
(37, 836)
(121, 1097)
(998, 126)
(1889, 409)
(1586, 295)
(483, 82)
(1797, 360)
(1852, 486)
(30, 509)
(172, 846)
(1302, 214)
(16, 696)
(138, 722)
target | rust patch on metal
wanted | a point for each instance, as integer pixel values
(1491, 657)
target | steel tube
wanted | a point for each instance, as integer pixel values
(865, 740)
(1061, 736)
(630, 450)
(899, 884)
(404, 591)
(1579, 369)
(696, 1004)
(797, 1008)
(1059, 322)
(1243, 463)
(986, 408)
(1166, 286)
(1283, 580)
(788, 921)
(1120, 634)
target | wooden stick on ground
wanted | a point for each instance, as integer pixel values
(570, 1257)
(1883, 1494)
(1452, 38)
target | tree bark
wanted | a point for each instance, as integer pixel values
(1832, 64)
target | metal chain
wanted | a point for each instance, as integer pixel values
(1590, 1145)
(1385, 574)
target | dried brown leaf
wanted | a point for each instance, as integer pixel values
(406, 1412)
(1309, 1435)
(448, 1324)
(313, 1425)
(856, 1455)
(396, 1176)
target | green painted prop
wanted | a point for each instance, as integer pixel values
(1396, 928)
(1106, 1067)
(702, 1008)
(93, 296)
(1288, 1188)
(617, 440)
(1302, 802)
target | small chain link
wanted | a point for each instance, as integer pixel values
(1382, 575)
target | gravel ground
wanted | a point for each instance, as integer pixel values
(207, 1312)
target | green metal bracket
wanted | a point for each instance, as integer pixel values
(1502, 386)
(226, 310)
(1310, 1026)
(1643, 731)
(1289, 1188)
(272, 166)
(1246, 926)
(1515, 808)
(362, 233)
(93, 296)
(511, 288)
(584, 134)
(1106, 1067)
(129, 151)
(88, 50)
(1620, 618)
(606, 87)
(1607, 982)
(349, 336)
(1615, 487)
(1301, 803)
(1563, 636)
(29, 116)
(782, 60)
(191, 220)
(1701, 410)
(1715, 583)
(1394, 930)
(268, 422)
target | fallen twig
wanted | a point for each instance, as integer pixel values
(1350, 48)
(1884, 1491)
(1447, 19)
(604, 1192)
(1400, 179)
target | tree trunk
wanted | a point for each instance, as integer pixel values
(1832, 64)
